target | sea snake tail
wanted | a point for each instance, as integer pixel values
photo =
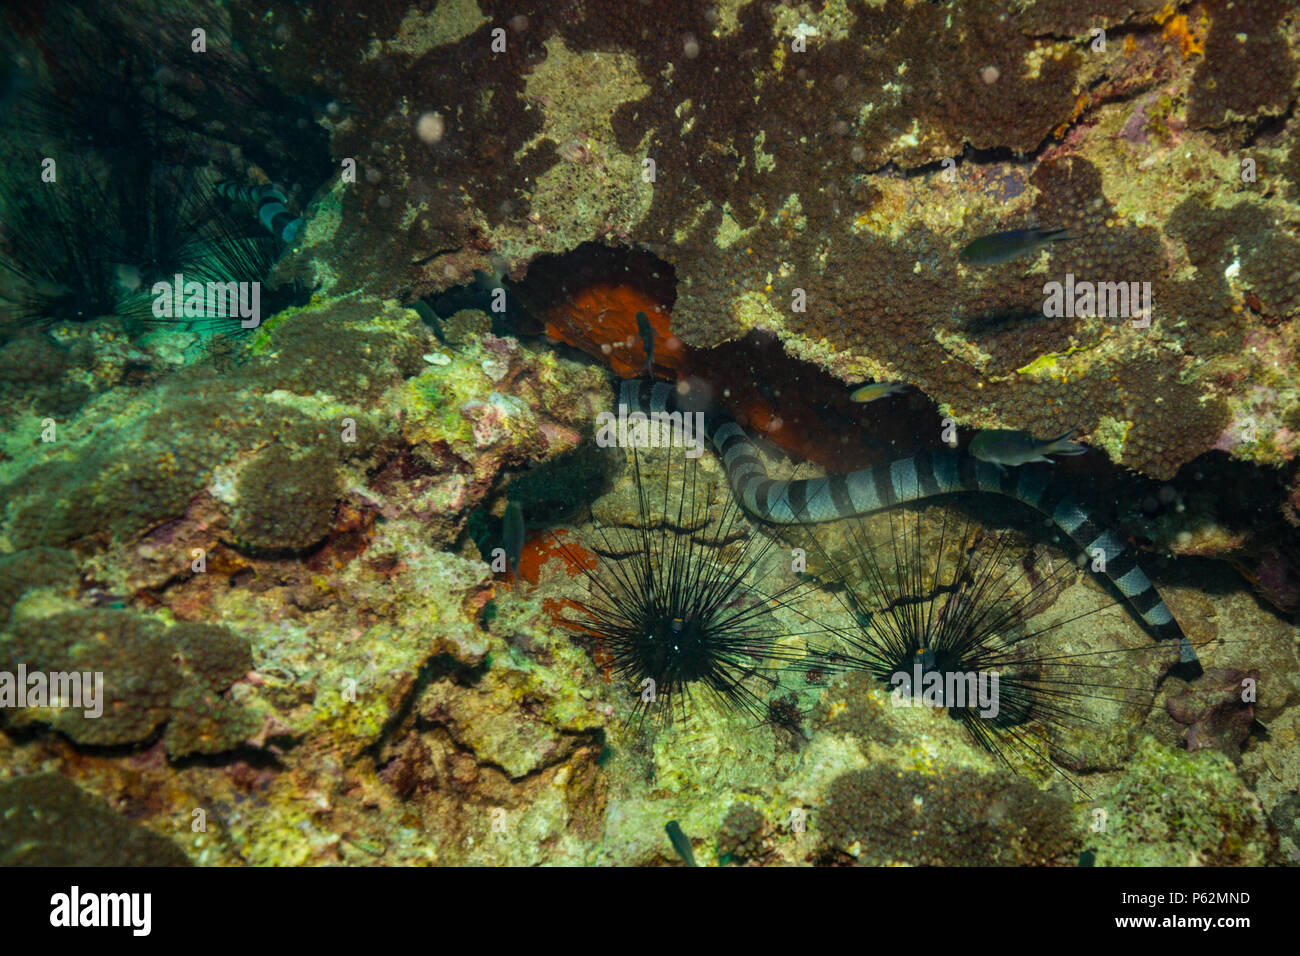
(926, 475)
(270, 203)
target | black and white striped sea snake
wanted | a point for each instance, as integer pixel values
(926, 475)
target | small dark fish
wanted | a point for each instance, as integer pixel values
(1003, 246)
(270, 203)
(1003, 446)
(647, 333)
(680, 842)
(512, 535)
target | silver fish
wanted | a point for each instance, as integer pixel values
(1003, 446)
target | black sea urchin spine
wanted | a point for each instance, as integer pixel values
(954, 622)
(679, 616)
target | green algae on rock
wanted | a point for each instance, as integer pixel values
(1172, 808)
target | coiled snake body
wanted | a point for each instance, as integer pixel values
(926, 475)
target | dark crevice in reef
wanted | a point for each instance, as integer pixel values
(435, 668)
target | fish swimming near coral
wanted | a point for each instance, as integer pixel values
(271, 205)
(647, 333)
(876, 390)
(681, 842)
(1005, 446)
(999, 247)
(925, 475)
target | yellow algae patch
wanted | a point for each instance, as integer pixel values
(962, 348)
(1047, 366)
(1110, 435)
(420, 31)
(755, 309)
(1178, 28)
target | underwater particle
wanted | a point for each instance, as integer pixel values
(430, 128)
(990, 74)
(47, 820)
(679, 616)
(681, 842)
(285, 503)
(690, 46)
(883, 816)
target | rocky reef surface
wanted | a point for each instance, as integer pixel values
(281, 554)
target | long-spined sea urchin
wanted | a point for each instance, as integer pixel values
(676, 605)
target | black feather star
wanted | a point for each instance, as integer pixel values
(947, 618)
(674, 612)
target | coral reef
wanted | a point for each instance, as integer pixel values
(741, 837)
(151, 675)
(853, 93)
(1219, 822)
(46, 820)
(880, 816)
(280, 547)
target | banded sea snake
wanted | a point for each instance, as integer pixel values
(926, 475)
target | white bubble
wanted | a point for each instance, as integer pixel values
(430, 127)
(990, 74)
(690, 46)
